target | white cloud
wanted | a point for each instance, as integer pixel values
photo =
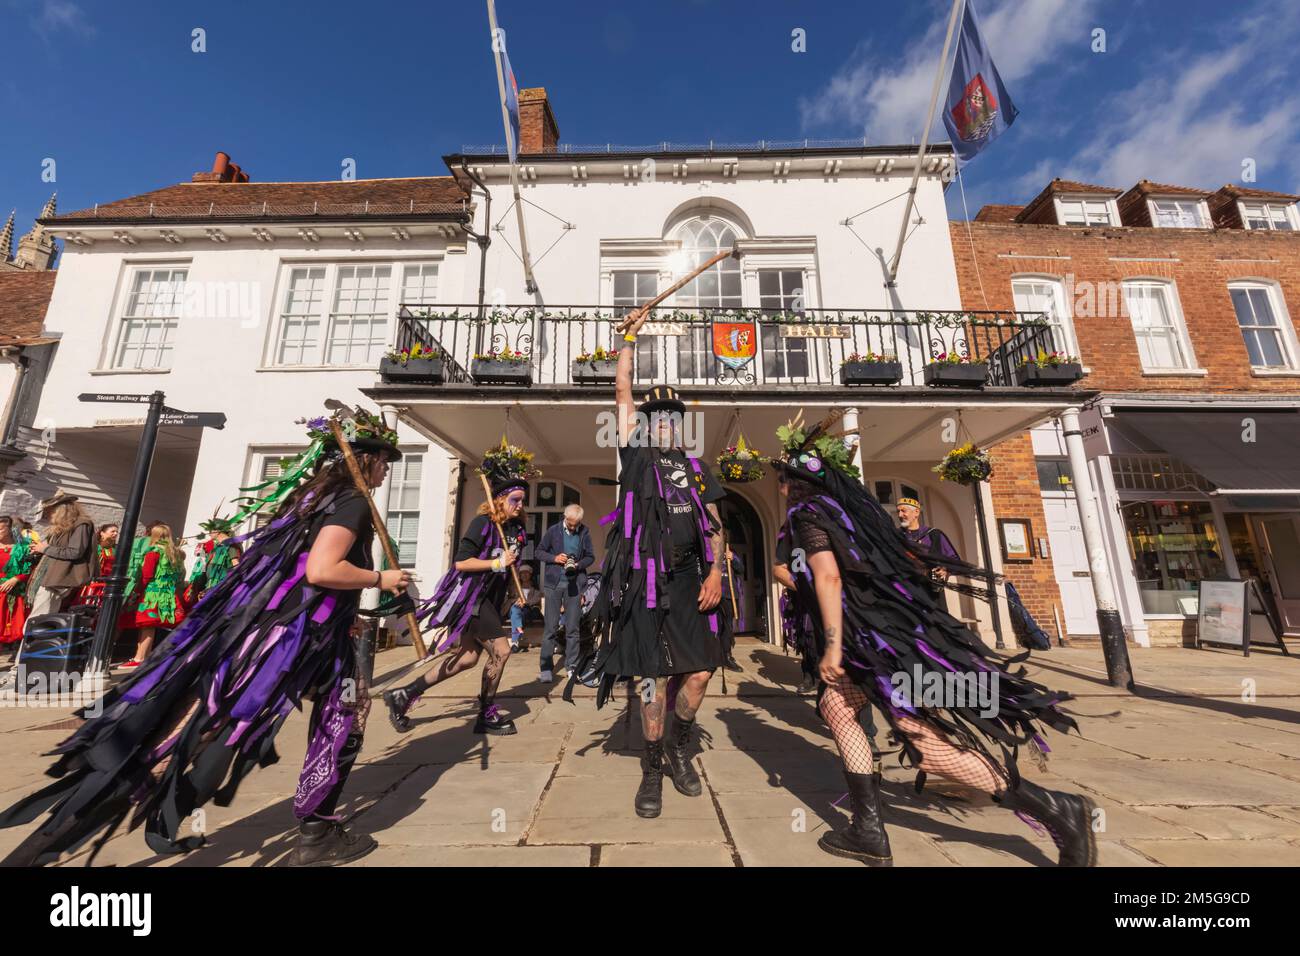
(887, 96)
(51, 17)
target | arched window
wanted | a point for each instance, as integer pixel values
(889, 490)
(702, 238)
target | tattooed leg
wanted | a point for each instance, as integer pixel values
(498, 653)
(691, 694)
(654, 699)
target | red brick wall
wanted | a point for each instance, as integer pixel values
(1014, 487)
(1204, 262)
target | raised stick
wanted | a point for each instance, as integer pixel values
(643, 309)
(492, 512)
(412, 623)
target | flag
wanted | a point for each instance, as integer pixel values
(512, 103)
(978, 108)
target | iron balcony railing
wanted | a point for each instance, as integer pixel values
(676, 346)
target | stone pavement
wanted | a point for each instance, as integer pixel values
(1201, 768)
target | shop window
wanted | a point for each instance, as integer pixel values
(1054, 475)
(1174, 546)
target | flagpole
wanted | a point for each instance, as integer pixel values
(511, 148)
(925, 136)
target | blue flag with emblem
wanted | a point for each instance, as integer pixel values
(512, 103)
(978, 108)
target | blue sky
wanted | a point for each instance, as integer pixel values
(111, 90)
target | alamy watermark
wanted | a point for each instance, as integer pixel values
(652, 430)
(950, 689)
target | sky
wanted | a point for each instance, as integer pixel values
(111, 98)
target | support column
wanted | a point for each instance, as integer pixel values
(851, 424)
(1103, 588)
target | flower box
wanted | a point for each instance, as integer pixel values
(594, 371)
(871, 373)
(499, 372)
(430, 371)
(957, 374)
(1039, 376)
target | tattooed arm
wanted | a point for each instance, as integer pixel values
(711, 589)
(830, 601)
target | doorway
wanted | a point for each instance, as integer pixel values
(1278, 539)
(744, 531)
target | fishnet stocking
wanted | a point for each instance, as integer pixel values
(940, 755)
(840, 706)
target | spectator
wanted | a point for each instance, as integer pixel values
(67, 553)
(930, 541)
(566, 553)
(522, 612)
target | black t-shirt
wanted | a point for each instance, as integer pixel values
(676, 477)
(784, 549)
(352, 512)
(471, 545)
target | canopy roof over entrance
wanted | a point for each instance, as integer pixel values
(574, 425)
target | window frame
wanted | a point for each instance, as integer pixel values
(1202, 211)
(1062, 303)
(325, 308)
(1084, 199)
(394, 488)
(1286, 332)
(1178, 324)
(1267, 206)
(120, 319)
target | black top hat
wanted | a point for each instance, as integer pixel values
(662, 398)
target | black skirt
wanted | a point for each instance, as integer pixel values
(486, 624)
(682, 640)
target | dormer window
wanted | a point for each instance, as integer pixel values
(1084, 212)
(1178, 214)
(1268, 215)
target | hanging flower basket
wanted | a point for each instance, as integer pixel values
(595, 368)
(953, 370)
(416, 364)
(740, 463)
(506, 367)
(1048, 369)
(871, 369)
(965, 465)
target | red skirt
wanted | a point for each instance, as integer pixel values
(11, 624)
(137, 618)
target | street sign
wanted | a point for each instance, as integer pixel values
(173, 417)
(112, 397)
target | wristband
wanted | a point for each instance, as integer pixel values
(629, 337)
(379, 579)
(496, 564)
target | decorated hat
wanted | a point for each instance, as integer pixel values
(215, 525)
(364, 431)
(507, 467)
(810, 452)
(662, 398)
(910, 501)
(60, 497)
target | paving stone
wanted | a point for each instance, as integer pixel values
(643, 855)
(476, 856)
(1226, 823)
(1177, 782)
(599, 810)
(1219, 853)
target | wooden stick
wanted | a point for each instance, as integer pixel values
(622, 326)
(354, 469)
(492, 512)
(731, 582)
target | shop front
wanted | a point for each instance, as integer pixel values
(1198, 491)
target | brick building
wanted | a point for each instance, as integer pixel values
(1177, 302)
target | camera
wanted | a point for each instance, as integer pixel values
(571, 566)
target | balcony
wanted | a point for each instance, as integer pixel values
(791, 352)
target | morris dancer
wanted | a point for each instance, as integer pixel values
(875, 619)
(215, 558)
(204, 710)
(469, 597)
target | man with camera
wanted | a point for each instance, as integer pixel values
(566, 553)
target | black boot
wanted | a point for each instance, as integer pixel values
(491, 721)
(649, 796)
(678, 759)
(327, 843)
(808, 686)
(399, 702)
(1067, 817)
(731, 665)
(865, 839)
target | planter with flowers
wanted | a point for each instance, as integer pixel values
(416, 364)
(740, 463)
(502, 367)
(951, 369)
(965, 465)
(597, 367)
(1048, 369)
(871, 369)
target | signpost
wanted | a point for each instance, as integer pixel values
(1227, 611)
(115, 586)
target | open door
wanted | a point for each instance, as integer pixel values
(1279, 536)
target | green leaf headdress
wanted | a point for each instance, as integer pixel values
(810, 450)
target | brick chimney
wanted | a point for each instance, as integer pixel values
(223, 171)
(537, 130)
